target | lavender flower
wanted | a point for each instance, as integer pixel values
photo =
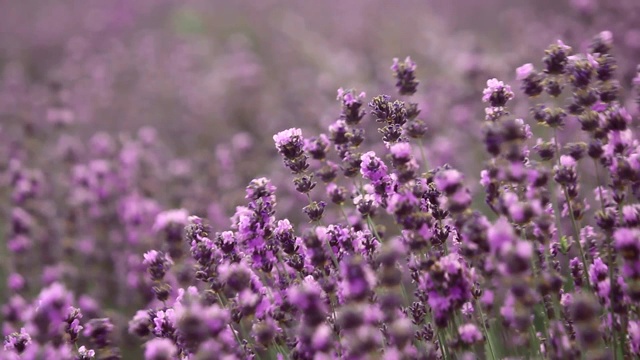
(404, 72)
(99, 331)
(315, 210)
(531, 81)
(140, 324)
(86, 354)
(289, 143)
(164, 322)
(448, 285)
(399, 260)
(352, 113)
(556, 58)
(73, 323)
(157, 264)
(160, 349)
(17, 341)
(497, 94)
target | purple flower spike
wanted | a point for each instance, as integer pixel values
(497, 94)
(17, 341)
(405, 74)
(289, 143)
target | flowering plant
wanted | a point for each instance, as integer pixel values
(363, 245)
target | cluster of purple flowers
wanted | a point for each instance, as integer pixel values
(381, 245)
(408, 269)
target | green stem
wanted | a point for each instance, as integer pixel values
(623, 333)
(614, 337)
(372, 228)
(540, 313)
(334, 260)
(281, 349)
(405, 294)
(486, 331)
(576, 234)
(574, 225)
(442, 344)
(423, 156)
(235, 334)
(536, 342)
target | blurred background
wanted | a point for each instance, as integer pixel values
(113, 112)
(213, 76)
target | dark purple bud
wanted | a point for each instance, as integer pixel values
(404, 72)
(556, 58)
(315, 210)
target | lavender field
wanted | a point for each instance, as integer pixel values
(414, 179)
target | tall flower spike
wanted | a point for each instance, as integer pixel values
(556, 58)
(352, 112)
(315, 210)
(372, 168)
(405, 76)
(73, 327)
(290, 144)
(157, 264)
(448, 284)
(497, 94)
(317, 147)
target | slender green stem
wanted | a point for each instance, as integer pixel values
(280, 349)
(556, 210)
(540, 313)
(614, 336)
(246, 336)
(372, 227)
(333, 256)
(267, 286)
(574, 224)
(333, 311)
(405, 294)
(235, 334)
(534, 340)
(576, 234)
(622, 335)
(423, 156)
(442, 344)
(486, 332)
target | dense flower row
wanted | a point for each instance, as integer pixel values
(398, 260)
(446, 282)
(438, 280)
